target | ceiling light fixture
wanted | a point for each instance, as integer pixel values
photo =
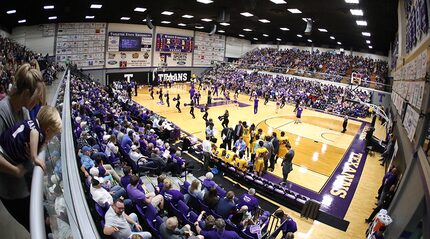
(48, 7)
(182, 24)
(199, 27)
(332, 37)
(339, 43)
(221, 31)
(366, 34)
(264, 20)
(241, 35)
(187, 16)
(278, 39)
(247, 30)
(140, 9)
(278, 1)
(52, 18)
(255, 39)
(165, 22)
(322, 30)
(368, 41)
(168, 13)
(356, 12)
(89, 17)
(11, 12)
(265, 35)
(125, 18)
(205, 1)
(284, 29)
(294, 10)
(224, 24)
(298, 35)
(96, 6)
(361, 23)
(309, 40)
(22, 21)
(206, 20)
(352, 1)
(370, 47)
(246, 14)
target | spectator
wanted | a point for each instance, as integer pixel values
(249, 199)
(195, 189)
(211, 198)
(169, 230)
(208, 182)
(171, 195)
(142, 198)
(120, 225)
(226, 205)
(220, 231)
(101, 196)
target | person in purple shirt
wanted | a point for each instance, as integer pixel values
(219, 231)
(249, 200)
(139, 197)
(125, 180)
(208, 183)
(298, 115)
(289, 227)
(192, 91)
(172, 195)
(255, 104)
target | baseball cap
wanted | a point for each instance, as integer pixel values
(86, 149)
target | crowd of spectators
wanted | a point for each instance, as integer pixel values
(334, 65)
(314, 94)
(109, 129)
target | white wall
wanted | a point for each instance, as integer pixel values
(236, 47)
(4, 34)
(38, 38)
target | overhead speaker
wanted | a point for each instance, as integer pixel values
(223, 16)
(213, 30)
(149, 22)
(308, 29)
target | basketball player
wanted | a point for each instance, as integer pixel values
(160, 96)
(283, 101)
(255, 105)
(298, 115)
(278, 103)
(345, 124)
(266, 97)
(178, 103)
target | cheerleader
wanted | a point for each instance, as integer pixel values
(178, 103)
(160, 92)
(282, 101)
(151, 91)
(224, 119)
(192, 110)
(205, 116)
(167, 98)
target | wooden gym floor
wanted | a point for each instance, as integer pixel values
(318, 143)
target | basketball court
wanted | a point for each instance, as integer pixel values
(322, 152)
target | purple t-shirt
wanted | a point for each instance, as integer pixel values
(15, 139)
(249, 201)
(173, 195)
(215, 234)
(289, 226)
(136, 195)
(299, 112)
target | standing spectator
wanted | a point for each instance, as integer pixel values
(207, 152)
(389, 151)
(227, 137)
(289, 226)
(287, 163)
(120, 225)
(345, 123)
(273, 159)
(238, 131)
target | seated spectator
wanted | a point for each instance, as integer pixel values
(195, 189)
(142, 198)
(211, 198)
(226, 205)
(86, 161)
(220, 231)
(209, 222)
(127, 142)
(249, 200)
(120, 225)
(169, 230)
(125, 180)
(208, 181)
(241, 217)
(171, 195)
(101, 196)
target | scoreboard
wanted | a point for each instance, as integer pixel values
(174, 43)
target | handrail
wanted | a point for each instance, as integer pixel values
(74, 194)
(37, 221)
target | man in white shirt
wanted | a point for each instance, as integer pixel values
(207, 152)
(120, 225)
(101, 196)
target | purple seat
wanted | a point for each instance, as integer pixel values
(140, 210)
(221, 192)
(101, 210)
(192, 216)
(151, 212)
(183, 208)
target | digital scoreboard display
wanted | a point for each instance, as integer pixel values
(174, 43)
(130, 43)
